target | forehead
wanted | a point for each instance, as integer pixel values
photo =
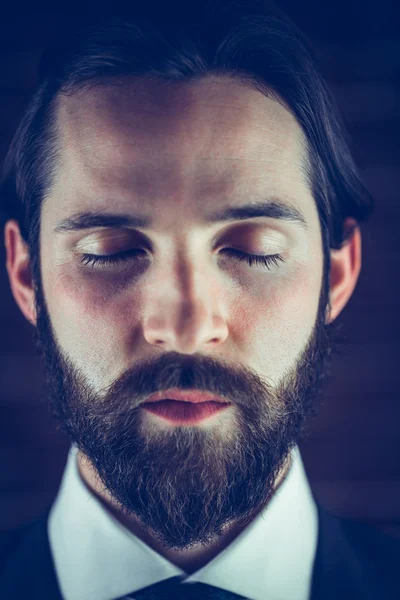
(202, 140)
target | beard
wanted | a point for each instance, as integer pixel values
(186, 484)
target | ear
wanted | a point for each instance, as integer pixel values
(19, 272)
(345, 269)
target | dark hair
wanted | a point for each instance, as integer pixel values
(249, 39)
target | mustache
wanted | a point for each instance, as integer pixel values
(172, 370)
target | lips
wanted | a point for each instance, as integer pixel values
(184, 413)
(186, 407)
(193, 396)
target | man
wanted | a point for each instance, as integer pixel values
(183, 233)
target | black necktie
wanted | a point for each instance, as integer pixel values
(173, 589)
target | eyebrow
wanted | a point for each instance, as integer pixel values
(273, 209)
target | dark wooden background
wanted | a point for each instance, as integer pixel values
(352, 453)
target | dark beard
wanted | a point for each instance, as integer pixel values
(186, 484)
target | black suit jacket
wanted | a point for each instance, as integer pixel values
(353, 562)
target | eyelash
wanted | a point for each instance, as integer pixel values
(260, 259)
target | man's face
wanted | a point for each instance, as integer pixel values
(183, 312)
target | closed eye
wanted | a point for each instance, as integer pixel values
(266, 260)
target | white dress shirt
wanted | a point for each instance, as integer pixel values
(97, 558)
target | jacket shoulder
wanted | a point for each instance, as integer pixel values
(354, 560)
(28, 569)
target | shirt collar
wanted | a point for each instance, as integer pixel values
(97, 558)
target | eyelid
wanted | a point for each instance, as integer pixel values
(253, 241)
(123, 257)
(94, 241)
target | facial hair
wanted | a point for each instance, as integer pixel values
(185, 484)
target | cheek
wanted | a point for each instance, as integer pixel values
(274, 325)
(87, 319)
(85, 297)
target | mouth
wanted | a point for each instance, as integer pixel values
(192, 396)
(184, 413)
(184, 407)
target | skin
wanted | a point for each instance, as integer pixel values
(177, 153)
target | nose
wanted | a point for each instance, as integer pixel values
(191, 320)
